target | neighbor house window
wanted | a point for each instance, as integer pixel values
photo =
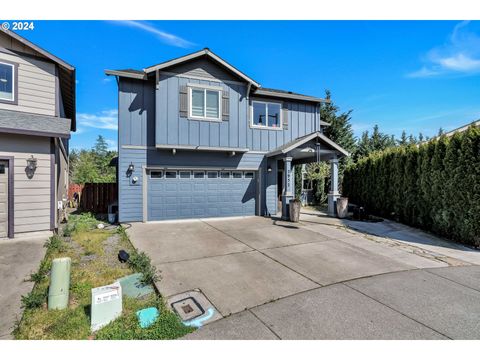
(205, 103)
(266, 114)
(7, 82)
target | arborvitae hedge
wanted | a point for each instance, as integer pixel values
(434, 186)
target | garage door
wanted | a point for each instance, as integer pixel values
(187, 194)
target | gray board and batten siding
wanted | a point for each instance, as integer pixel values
(152, 121)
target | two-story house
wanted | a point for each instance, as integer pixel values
(198, 138)
(37, 114)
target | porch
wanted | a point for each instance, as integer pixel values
(314, 147)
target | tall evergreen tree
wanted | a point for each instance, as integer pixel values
(403, 139)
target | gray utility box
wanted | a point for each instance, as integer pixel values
(106, 305)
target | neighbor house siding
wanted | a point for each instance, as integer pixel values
(36, 85)
(32, 196)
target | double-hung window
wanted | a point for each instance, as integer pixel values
(205, 103)
(266, 115)
(7, 82)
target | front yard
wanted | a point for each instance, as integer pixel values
(95, 263)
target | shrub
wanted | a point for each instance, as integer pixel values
(435, 186)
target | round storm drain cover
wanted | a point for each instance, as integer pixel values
(187, 308)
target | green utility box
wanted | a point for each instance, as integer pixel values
(106, 305)
(59, 284)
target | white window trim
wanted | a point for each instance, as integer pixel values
(12, 100)
(266, 127)
(204, 88)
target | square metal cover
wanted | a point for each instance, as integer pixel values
(188, 308)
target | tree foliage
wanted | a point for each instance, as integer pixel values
(93, 166)
(434, 185)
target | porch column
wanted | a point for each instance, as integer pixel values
(333, 195)
(289, 182)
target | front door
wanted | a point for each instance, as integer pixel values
(279, 190)
(3, 198)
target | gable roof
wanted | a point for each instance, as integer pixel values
(303, 140)
(256, 88)
(66, 75)
(204, 52)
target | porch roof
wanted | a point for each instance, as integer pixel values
(300, 141)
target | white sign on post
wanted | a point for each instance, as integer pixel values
(106, 305)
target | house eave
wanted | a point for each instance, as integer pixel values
(126, 74)
(200, 148)
(262, 92)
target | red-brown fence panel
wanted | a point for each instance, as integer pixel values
(97, 197)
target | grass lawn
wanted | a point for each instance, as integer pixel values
(94, 263)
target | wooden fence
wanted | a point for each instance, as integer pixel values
(97, 197)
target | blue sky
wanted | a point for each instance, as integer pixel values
(412, 75)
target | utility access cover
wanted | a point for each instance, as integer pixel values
(194, 308)
(188, 308)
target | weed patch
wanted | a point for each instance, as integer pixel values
(140, 262)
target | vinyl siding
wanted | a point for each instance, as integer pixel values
(36, 85)
(31, 196)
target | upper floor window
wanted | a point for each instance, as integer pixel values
(205, 103)
(7, 82)
(266, 114)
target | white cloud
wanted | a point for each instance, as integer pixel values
(459, 55)
(106, 80)
(106, 119)
(162, 35)
(112, 144)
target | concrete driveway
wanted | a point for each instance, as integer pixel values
(18, 259)
(315, 279)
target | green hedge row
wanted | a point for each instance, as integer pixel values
(434, 186)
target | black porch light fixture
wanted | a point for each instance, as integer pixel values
(32, 163)
(131, 167)
(269, 169)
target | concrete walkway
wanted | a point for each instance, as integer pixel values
(309, 280)
(18, 259)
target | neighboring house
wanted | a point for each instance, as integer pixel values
(462, 128)
(37, 113)
(198, 138)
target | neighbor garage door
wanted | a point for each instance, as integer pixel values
(187, 194)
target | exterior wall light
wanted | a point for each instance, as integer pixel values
(269, 169)
(32, 163)
(131, 167)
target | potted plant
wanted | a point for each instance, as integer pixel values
(294, 209)
(342, 207)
